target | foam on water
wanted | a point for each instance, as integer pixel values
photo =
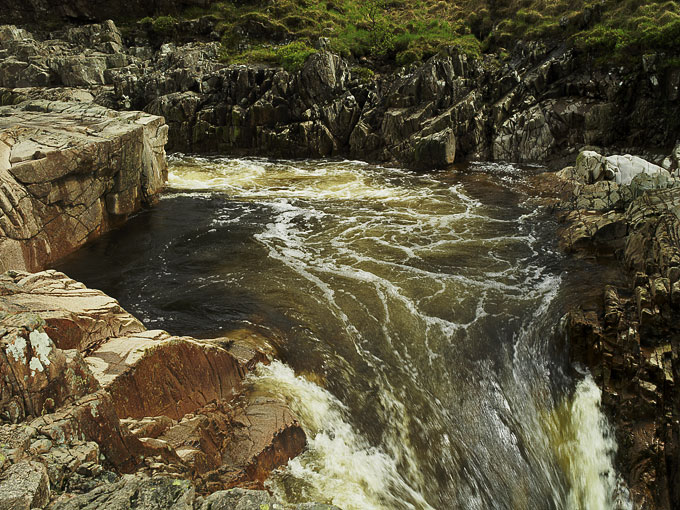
(585, 445)
(339, 466)
(434, 300)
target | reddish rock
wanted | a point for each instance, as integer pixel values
(75, 317)
(155, 374)
(35, 376)
(94, 418)
(185, 408)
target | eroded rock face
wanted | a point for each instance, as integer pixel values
(135, 492)
(74, 316)
(632, 343)
(23, 486)
(70, 171)
(67, 379)
(182, 374)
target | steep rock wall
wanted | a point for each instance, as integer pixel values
(69, 172)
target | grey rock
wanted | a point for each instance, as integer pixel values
(68, 171)
(435, 151)
(134, 492)
(240, 499)
(23, 486)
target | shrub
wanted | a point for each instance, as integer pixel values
(293, 56)
(163, 25)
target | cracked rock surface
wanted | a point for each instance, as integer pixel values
(88, 395)
(625, 209)
(69, 172)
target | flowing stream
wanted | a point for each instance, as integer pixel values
(415, 316)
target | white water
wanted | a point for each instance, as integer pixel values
(426, 304)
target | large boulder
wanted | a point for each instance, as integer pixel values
(592, 167)
(134, 492)
(73, 316)
(70, 171)
(155, 374)
(435, 151)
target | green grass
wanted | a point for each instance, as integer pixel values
(401, 32)
(290, 56)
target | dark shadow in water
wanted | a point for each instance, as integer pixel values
(169, 266)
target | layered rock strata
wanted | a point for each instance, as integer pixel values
(69, 172)
(628, 209)
(88, 394)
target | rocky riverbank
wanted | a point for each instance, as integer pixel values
(86, 388)
(542, 104)
(627, 210)
(70, 171)
(96, 409)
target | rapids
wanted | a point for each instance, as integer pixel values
(415, 316)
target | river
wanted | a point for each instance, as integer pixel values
(415, 316)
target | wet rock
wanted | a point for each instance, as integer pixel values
(632, 343)
(23, 486)
(263, 435)
(605, 232)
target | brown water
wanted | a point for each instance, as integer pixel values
(414, 313)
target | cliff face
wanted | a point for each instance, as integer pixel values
(69, 172)
(625, 207)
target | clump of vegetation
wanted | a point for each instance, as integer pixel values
(364, 74)
(161, 26)
(406, 31)
(290, 56)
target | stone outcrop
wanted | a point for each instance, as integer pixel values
(73, 316)
(87, 394)
(24, 485)
(70, 171)
(165, 493)
(542, 105)
(631, 343)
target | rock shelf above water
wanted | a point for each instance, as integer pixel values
(69, 172)
(626, 208)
